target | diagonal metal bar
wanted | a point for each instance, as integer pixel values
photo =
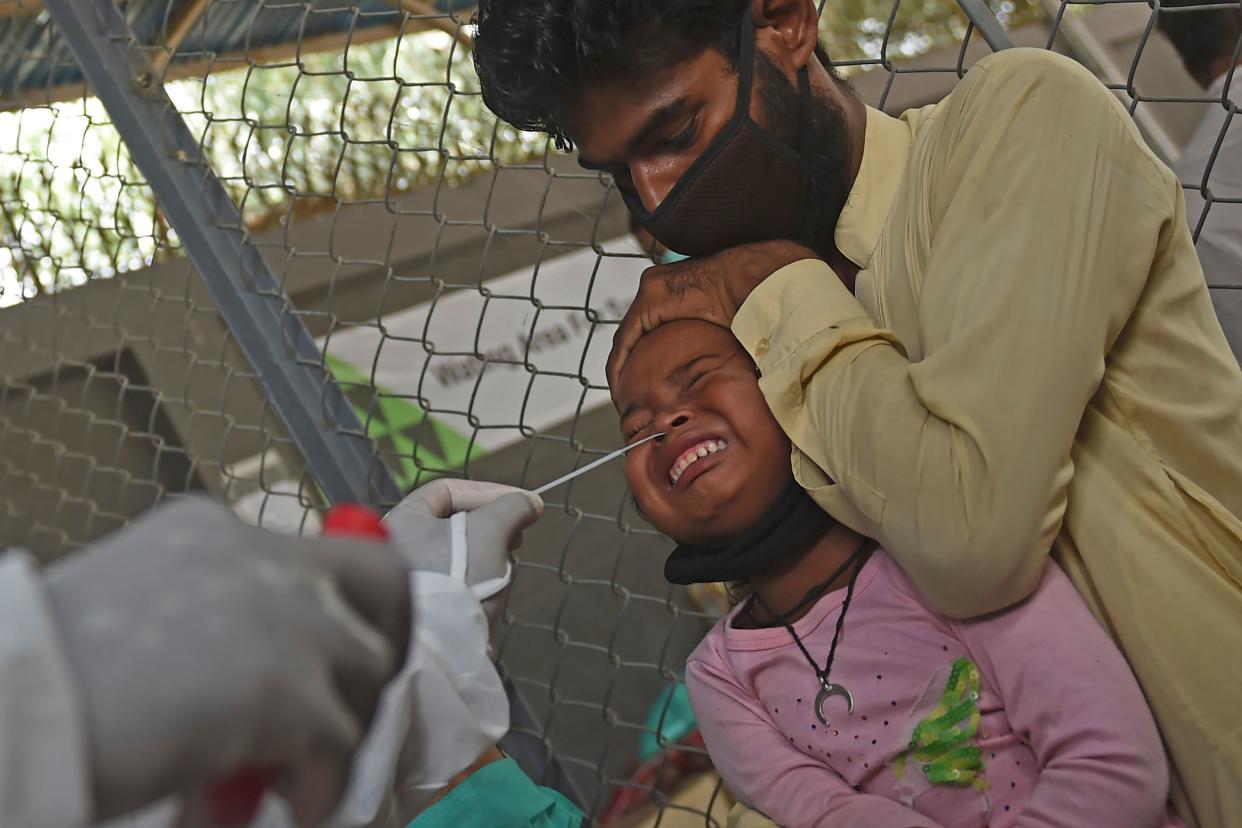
(312, 406)
(994, 34)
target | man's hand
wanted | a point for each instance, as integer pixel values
(710, 288)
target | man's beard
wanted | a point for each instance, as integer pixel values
(826, 155)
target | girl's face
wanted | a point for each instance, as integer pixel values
(723, 460)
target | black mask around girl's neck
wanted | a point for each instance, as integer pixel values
(793, 521)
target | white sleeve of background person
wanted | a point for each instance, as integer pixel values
(441, 713)
(1220, 238)
(44, 778)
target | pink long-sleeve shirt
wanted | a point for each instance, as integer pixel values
(1066, 737)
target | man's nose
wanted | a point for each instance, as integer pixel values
(651, 184)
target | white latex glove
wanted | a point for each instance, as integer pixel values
(465, 529)
(202, 646)
(448, 705)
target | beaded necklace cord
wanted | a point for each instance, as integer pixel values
(827, 687)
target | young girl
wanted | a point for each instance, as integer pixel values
(833, 695)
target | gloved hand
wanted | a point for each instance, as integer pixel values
(464, 529)
(202, 646)
(447, 706)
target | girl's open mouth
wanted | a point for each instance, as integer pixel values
(692, 455)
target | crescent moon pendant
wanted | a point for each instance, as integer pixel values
(826, 690)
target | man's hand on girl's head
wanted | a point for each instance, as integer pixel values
(711, 288)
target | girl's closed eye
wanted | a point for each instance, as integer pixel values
(699, 375)
(633, 433)
(695, 378)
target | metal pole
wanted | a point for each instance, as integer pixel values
(994, 34)
(289, 365)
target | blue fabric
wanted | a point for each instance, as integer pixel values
(671, 257)
(500, 795)
(671, 717)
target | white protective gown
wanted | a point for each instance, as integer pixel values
(443, 710)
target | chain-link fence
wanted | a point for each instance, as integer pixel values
(459, 279)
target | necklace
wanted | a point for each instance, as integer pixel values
(827, 688)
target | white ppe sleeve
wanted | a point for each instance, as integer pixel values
(44, 773)
(445, 708)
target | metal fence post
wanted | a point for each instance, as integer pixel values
(250, 300)
(994, 34)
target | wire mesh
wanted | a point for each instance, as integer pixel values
(119, 382)
(463, 280)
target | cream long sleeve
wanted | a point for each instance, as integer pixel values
(1031, 363)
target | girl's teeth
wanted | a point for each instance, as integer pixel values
(688, 459)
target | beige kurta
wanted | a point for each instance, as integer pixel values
(1031, 362)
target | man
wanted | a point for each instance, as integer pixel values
(1207, 40)
(190, 647)
(999, 341)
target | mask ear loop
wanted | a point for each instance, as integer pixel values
(745, 65)
(804, 92)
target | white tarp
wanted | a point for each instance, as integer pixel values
(535, 318)
(538, 344)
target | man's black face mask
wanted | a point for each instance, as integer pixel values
(747, 186)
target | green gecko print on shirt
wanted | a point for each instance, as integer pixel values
(941, 745)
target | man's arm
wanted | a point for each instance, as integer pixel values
(1045, 214)
(1069, 694)
(767, 773)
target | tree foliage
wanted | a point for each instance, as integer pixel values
(368, 122)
